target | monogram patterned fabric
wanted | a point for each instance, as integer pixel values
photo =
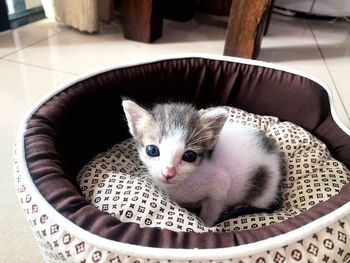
(116, 182)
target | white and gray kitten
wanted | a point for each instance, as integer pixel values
(196, 156)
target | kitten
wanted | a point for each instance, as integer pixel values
(196, 156)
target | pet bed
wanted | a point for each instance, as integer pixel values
(86, 204)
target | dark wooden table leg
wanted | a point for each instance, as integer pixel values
(268, 19)
(245, 27)
(142, 20)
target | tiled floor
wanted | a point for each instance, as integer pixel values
(38, 58)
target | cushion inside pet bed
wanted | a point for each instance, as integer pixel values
(86, 118)
(116, 181)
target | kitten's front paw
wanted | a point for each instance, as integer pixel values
(146, 178)
(210, 211)
(208, 218)
(209, 222)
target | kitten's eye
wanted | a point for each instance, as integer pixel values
(152, 150)
(189, 156)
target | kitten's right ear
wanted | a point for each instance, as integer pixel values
(213, 120)
(136, 116)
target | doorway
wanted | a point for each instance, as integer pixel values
(19, 12)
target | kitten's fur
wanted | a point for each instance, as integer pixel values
(235, 166)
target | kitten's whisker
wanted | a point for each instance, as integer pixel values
(208, 126)
(201, 139)
(198, 148)
(206, 136)
(191, 135)
(200, 132)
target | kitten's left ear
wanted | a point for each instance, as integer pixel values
(213, 120)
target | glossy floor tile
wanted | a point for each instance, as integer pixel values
(333, 39)
(15, 40)
(297, 43)
(39, 57)
(77, 53)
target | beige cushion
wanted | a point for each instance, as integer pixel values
(116, 182)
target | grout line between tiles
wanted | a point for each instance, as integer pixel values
(329, 72)
(32, 44)
(37, 66)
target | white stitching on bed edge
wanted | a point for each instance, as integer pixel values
(188, 254)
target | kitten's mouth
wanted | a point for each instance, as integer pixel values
(167, 181)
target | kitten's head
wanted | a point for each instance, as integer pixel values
(173, 138)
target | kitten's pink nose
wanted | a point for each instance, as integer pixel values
(168, 172)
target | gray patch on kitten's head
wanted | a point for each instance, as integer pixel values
(210, 125)
(200, 128)
(175, 115)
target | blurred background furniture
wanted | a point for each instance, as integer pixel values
(247, 22)
(143, 19)
(83, 15)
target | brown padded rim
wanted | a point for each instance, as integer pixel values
(86, 118)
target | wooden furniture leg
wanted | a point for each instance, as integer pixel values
(245, 27)
(142, 20)
(272, 2)
(105, 10)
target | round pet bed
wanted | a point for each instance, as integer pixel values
(73, 190)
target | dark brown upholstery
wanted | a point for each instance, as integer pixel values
(86, 118)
